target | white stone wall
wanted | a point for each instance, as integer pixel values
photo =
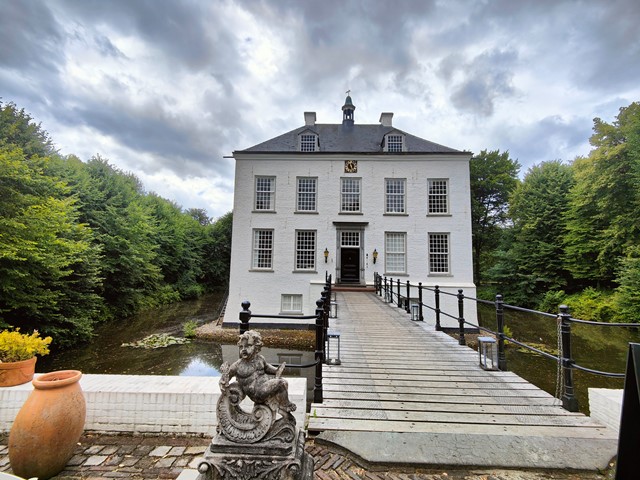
(147, 403)
(263, 289)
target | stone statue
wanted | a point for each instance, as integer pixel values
(269, 394)
(263, 443)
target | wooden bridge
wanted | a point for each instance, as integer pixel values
(407, 394)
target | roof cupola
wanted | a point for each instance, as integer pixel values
(347, 110)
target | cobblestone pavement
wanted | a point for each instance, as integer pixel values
(164, 457)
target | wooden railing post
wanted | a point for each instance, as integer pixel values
(436, 291)
(569, 401)
(502, 358)
(461, 339)
(245, 316)
(319, 353)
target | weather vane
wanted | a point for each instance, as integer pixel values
(348, 92)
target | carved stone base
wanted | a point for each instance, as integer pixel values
(225, 460)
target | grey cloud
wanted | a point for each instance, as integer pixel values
(30, 38)
(551, 138)
(486, 78)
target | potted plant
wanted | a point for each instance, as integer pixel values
(18, 356)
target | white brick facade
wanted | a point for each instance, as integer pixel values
(264, 288)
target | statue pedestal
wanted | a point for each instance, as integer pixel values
(269, 460)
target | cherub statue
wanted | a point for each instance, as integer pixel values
(252, 375)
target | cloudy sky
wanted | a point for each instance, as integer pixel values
(166, 89)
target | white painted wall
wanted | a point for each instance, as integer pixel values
(263, 289)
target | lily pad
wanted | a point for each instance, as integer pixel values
(157, 340)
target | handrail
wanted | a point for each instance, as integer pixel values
(564, 357)
(321, 326)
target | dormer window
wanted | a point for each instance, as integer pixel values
(394, 143)
(308, 142)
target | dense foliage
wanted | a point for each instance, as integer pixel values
(572, 233)
(83, 242)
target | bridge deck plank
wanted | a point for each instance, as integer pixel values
(402, 376)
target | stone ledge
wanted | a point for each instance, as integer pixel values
(147, 403)
(605, 406)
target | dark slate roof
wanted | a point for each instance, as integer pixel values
(344, 138)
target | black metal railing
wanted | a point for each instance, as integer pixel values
(321, 317)
(391, 293)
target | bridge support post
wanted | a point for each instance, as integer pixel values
(407, 308)
(502, 358)
(421, 317)
(436, 291)
(461, 339)
(245, 316)
(319, 353)
(569, 401)
(399, 294)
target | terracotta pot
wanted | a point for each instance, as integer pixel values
(17, 373)
(48, 426)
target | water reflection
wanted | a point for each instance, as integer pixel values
(105, 355)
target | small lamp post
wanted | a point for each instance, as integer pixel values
(333, 343)
(487, 353)
(415, 311)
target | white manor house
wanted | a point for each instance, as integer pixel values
(348, 200)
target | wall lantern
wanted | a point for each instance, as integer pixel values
(326, 255)
(333, 345)
(375, 255)
(488, 353)
(333, 309)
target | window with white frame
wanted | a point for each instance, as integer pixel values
(438, 200)
(291, 303)
(394, 143)
(262, 249)
(395, 195)
(350, 239)
(265, 193)
(438, 253)
(395, 252)
(349, 194)
(305, 249)
(307, 188)
(308, 142)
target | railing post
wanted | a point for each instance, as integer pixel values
(569, 401)
(326, 299)
(406, 302)
(437, 294)
(502, 358)
(461, 339)
(245, 316)
(420, 317)
(399, 295)
(319, 353)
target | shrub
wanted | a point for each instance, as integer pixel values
(592, 304)
(189, 328)
(16, 346)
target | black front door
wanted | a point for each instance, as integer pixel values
(350, 265)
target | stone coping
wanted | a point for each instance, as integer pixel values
(147, 403)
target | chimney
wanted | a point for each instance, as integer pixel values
(385, 119)
(310, 118)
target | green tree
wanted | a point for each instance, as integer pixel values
(532, 260)
(603, 219)
(48, 264)
(628, 293)
(494, 176)
(217, 251)
(18, 129)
